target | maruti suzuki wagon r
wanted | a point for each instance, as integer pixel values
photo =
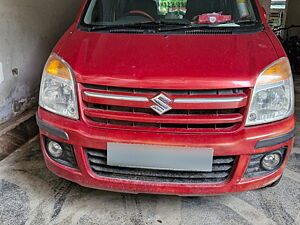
(183, 97)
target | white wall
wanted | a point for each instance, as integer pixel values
(28, 31)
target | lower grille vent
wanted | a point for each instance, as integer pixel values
(222, 169)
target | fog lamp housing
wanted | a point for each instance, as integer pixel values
(271, 161)
(266, 163)
(60, 152)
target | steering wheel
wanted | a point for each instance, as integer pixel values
(142, 13)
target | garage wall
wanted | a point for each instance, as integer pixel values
(28, 31)
(293, 17)
(267, 5)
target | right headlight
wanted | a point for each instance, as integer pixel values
(273, 96)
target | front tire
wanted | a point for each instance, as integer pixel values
(275, 183)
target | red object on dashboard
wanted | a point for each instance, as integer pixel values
(213, 18)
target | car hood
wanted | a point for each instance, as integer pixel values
(168, 61)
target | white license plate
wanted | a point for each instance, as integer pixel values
(160, 157)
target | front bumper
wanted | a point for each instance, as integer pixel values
(241, 143)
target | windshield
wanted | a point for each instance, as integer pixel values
(217, 13)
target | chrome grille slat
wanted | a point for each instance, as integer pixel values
(117, 97)
(194, 100)
(208, 100)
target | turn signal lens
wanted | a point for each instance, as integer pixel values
(278, 71)
(57, 68)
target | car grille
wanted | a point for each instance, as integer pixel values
(193, 111)
(222, 169)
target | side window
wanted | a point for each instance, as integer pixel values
(97, 15)
(245, 9)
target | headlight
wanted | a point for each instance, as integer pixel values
(58, 92)
(273, 97)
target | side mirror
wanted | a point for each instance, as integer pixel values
(264, 15)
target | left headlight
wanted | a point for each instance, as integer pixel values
(273, 96)
(58, 89)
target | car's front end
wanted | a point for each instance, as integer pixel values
(114, 111)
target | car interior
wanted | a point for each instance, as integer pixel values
(121, 11)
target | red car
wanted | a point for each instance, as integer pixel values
(181, 97)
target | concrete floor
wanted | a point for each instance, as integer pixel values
(30, 194)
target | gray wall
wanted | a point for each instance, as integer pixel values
(28, 31)
(293, 16)
(267, 5)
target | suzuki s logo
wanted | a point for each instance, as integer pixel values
(162, 105)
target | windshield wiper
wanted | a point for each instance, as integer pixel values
(163, 26)
(246, 22)
(192, 26)
(108, 27)
(173, 23)
(210, 25)
(138, 25)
